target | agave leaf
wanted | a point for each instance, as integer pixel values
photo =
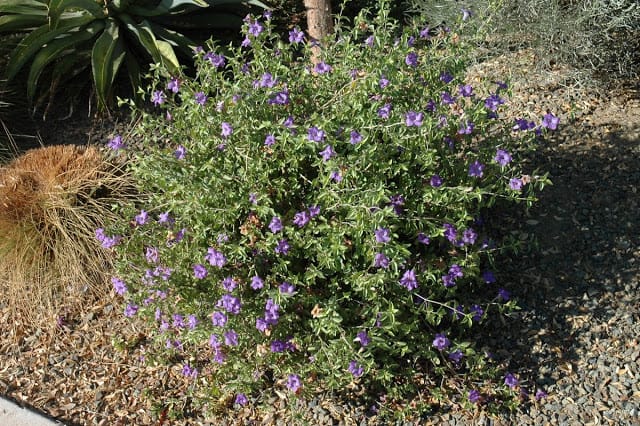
(133, 70)
(57, 7)
(55, 49)
(34, 41)
(167, 6)
(204, 20)
(106, 57)
(19, 23)
(181, 42)
(237, 2)
(144, 34)
(23, 7)
(68, 67)
(169, 56)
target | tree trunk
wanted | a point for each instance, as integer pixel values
(319, 24)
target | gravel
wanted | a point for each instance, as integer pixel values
(576, 336)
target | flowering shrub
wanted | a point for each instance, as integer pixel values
(315, 227)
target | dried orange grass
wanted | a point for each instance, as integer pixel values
(52, 199)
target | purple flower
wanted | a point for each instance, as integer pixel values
(436, 181)
(142, 218)
(288, 122)
(257, 283)
(192, 321)
(411, 41)
(227, 130)
(540, 394)
(466, 128)
(456, 356)
(441, 342)
(456, 271)
(327, 153)
(336, 176)
(180, 152)
(215, 59)
(314, 211)
(504, 294)
(280, 98)
(201, 98)
(469, 236)
(522, 124)
(408, 280)
(369, 41)
(151, 253)
(477, 312)
(384, 111)
(266, 80)
(466, 13)
(380, 261)
(511, 380)
(275, 225)
(488, 277)
(116, 143)
(282, 247)
(187, 371)
(493, 102)
(442, 122)
(174, 85)
(286, 288)
(130, 310)
(502, 157)
(199, 271)
(231, 338)
(158, 97)
(448, 281)
(355, 369)
(178, 321)
(271, 314)
(383, 82)
(119, 286)
(215, 258)
(293, 383)
(411, 59)
(447, 99)
(423, 238)
(296, 36)
(476, 169)
(424, 33)
(165, 218)
(383, 235)
(355, 137)
(474, 396)
(269, 140)
(413, 118)
(515, 184)
(229, 284)
(255, 28)
(363, 338)
(229, 303)
(450, 232)
(316, 135)
(261, 324)
(322, 68)
(446, 77)
(550, 121)
(222, 237)
(465, 90)
(241, 400)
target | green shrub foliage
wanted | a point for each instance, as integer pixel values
(315, 227)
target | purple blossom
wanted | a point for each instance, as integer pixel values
(288, 122)
(550, 121)
(540, 394)
(522, 124)
(385, 111)
(151, 253)
(488, 277)
(466, 13)
(314, 211)
(383, 235)
(255, 28)
(424, 33)
(130, 310)
(316, 135)
(229, 284)
(180, 152)
(474, 396)
(189, 372)
(199, 271)
(502, 157)
(174, 85)
(142, 218)
(447, 99)
(450, 232)
(215, 59)
(436, 181)
(515, 184)
(448, 281)
(280, 98)
(466, 128)
(215, 258)
(270, 140)
(296, 36)
(411, 59)
(411, 41)
(116, 143)
(253, 198)
(476, 169)
(293, 383)
(201, 98)
(465, 90)
(323, 68)
(369, 41)
(165, 219)
(408, 280)
(231, 338)
(413, 118)
(241, 400)
(469, 236)
(355, 369)
(192, 321)
(327, 153)
(271, 312)
(456, 271)
(229, 303)
(355, 137)
(441, 342)
(493, 102)
(267, 80)
(503, 294)
(477, 312)
(178, 321)
(383, 82)
(261, 324)
(511, 380)
(336, 176)
(282, 247)
(257, 283)
(286, 288)
(227, 130)
(363, 338)
(380, 261)
(158, 97)
(275, 225)
(119, 286)
(456, 356)
(446, 77)
(423, 238)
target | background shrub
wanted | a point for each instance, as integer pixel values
(322, 228)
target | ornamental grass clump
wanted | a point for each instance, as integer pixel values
(52, 199)
(323, 226)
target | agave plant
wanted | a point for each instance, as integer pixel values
(62, 38)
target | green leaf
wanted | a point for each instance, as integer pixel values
(167, 6)
(57, 7)
(26, 7)
(19, 23)
(34, 41)
(144, 34)
(168, 55)
(177, 40)
(203, 20)
(133, 71)
(106, 58)
(55, 50)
